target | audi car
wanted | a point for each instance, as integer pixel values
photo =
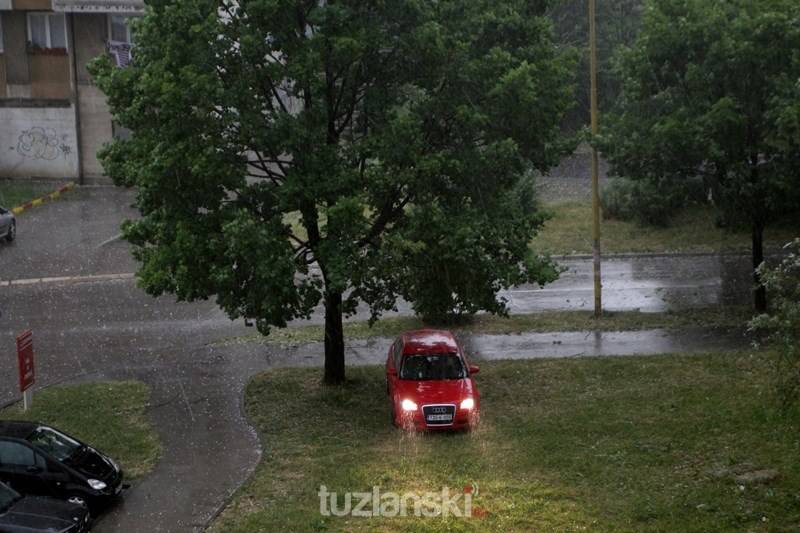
(39, 460)
(429, 382)
(31, 514)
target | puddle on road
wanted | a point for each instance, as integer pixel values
(649, 284)
(542, 345)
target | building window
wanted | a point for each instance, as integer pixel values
(1, 35)
(47, 31)
(119, 30)
(120, 39)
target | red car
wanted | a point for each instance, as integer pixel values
(430, 383)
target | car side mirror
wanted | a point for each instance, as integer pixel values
(474, 369)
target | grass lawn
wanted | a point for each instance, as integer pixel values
(693, 230)
(614, 444)
(717, 317)
(109, 415)
(14, 193)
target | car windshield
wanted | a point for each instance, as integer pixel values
(56, 444)
(431, 367)
(7, 497)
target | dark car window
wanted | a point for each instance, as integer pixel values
(397, 352)
(15, 454)
(430, 367)
(53, 442)
(41, 462)
(7, 497)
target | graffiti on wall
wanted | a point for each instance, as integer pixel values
(42, 143)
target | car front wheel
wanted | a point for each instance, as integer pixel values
(12, 232)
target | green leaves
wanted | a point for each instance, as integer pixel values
(704, 90)
(283, 149)
(783, 321)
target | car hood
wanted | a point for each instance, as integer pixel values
(41, 514)
(93, 464)
(436, 391)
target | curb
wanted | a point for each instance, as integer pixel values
(654, 255)
(47, 198)
(205, 526)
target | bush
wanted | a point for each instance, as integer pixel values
(783, 321)
(648, 202)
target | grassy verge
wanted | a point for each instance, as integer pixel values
(729, 317)
(614, 444)
(110, 416)
(13, 193)
(693, 230)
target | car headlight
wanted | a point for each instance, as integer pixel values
(467, 403)
(96, 484)
(408, 405)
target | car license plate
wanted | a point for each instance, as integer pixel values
(437, 418)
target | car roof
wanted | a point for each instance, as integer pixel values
(428, 341)
(17, 429)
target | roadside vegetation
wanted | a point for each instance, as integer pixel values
(693, 229)
(660, 443)
(110, 416)
(14, 193)
(715, 317)
(783, 321)
(684, 114)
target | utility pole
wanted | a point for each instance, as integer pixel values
(598, 286)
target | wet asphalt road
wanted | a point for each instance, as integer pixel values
(87, 329)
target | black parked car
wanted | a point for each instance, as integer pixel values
(29, 514)
(39, 460)
(8, 225)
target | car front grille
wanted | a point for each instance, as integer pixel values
(439, 414)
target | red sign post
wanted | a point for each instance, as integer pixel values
(27, 374)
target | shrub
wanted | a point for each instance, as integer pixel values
(783, 321)
(649, 202)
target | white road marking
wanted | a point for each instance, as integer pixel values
(556, 290)
(109, 241)
(66, 279)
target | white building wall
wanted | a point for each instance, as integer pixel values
(96, 129)
(38, 142)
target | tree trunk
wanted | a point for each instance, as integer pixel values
(760, 292)
(334, 339)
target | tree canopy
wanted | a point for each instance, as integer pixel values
(617, 26)
(710, 88)
(288, 153)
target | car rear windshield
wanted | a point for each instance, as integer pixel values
(53, 442)
(434, 366)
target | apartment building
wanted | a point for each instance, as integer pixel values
(53, 119)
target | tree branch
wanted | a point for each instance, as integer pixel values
(389, 214)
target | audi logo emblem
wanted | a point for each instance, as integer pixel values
(439, 409)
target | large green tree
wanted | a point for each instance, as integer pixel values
(617, 26)
(287, 152)
(708, 90)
